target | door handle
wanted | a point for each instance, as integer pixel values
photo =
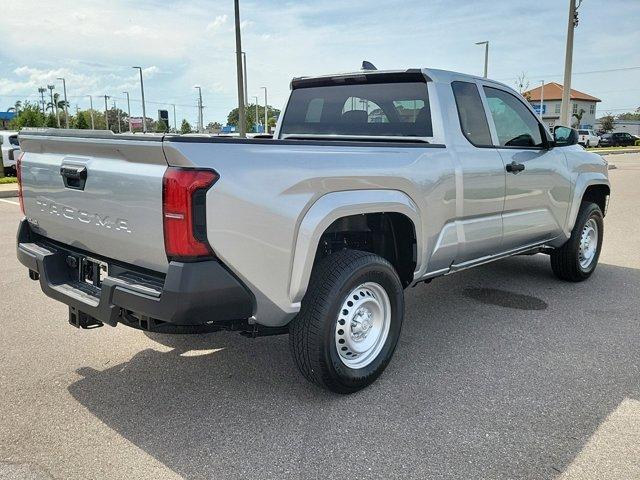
(74, 176)
(515, 167)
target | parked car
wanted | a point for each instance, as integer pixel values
(588, 138)
(10, 148)
(318, 231)
(617, 139)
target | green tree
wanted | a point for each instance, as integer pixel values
(29, 116)
(250, 117)
(81, 121)
(185, 127)
(51, 121)
(162, 127)
(629, 116)
(607, 123)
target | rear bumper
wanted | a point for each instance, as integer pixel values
(190, 294)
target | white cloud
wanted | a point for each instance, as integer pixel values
(217, 22)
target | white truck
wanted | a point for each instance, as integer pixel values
(374, 181)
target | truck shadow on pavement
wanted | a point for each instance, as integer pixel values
(476, 389)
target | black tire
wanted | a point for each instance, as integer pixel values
(312, 334)
(565, 261)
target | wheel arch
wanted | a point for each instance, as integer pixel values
(332, 207)
(592, 187)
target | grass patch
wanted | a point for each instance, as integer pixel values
(4, 180)
(596, 149)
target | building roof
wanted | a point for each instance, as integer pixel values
(553, 91)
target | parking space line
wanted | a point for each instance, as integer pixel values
(9, 201)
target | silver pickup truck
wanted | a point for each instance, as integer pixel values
(374, 181)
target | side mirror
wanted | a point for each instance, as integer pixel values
(564, 136)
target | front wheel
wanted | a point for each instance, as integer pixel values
(350, 321)
(576, 260)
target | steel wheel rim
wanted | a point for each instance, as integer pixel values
(588, 243)
(362, 326)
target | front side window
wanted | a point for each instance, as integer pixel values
(370, 109)
(515, 125)
(473, 120)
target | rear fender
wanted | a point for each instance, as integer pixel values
(333, 206)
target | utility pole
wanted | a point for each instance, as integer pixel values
(93, 123)
(66, 104)
(54, 106)
(568, 61)
(241, 113)
(257, 122)
(106, 111)
(541, 99)
(244, 71)
(128, 111)
(41, 91)
(175, 124)
(266, 119)
(200, 121)
(486, 56)
(115, 109)
(144, 110)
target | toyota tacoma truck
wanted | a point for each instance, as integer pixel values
(373, 182)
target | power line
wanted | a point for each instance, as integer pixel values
(623, 69)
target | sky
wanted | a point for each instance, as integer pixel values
(180, 44)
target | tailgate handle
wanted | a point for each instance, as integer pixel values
(74, 176)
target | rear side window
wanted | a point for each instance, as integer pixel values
(473, 120)
(515, 124)
(374, 109)
(13, 140)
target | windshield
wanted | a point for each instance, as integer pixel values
(383, 109)
(583, 132)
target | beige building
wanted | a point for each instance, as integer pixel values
(582, 105)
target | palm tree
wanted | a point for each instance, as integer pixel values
(54, 106)
(16, 108)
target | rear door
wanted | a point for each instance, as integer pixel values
(537, 178)
(98, 193)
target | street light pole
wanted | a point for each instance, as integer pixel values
(93, 123)
(568, 61)
(66, 109)
(115, 109)
(257, 122)
(54, 107)
(41, 91)
(486, 56)
(175, 124)
(266, 118)
(144, 110)
(241, 113)
(106, 111)
(128, 110)
(200, 120)
(541, 99)
(244, 71)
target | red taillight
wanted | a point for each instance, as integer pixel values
(184, 212)
(19, 177)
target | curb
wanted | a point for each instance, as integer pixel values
(9, 192)
(616, 152)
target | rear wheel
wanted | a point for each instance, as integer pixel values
(350, 321)
(576, 260)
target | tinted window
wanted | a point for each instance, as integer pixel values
(13, 140)
(378, 109)
(515, 124)
(473, 120)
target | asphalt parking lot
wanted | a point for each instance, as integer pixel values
(501, 372)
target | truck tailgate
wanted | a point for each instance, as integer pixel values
(97, 192)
